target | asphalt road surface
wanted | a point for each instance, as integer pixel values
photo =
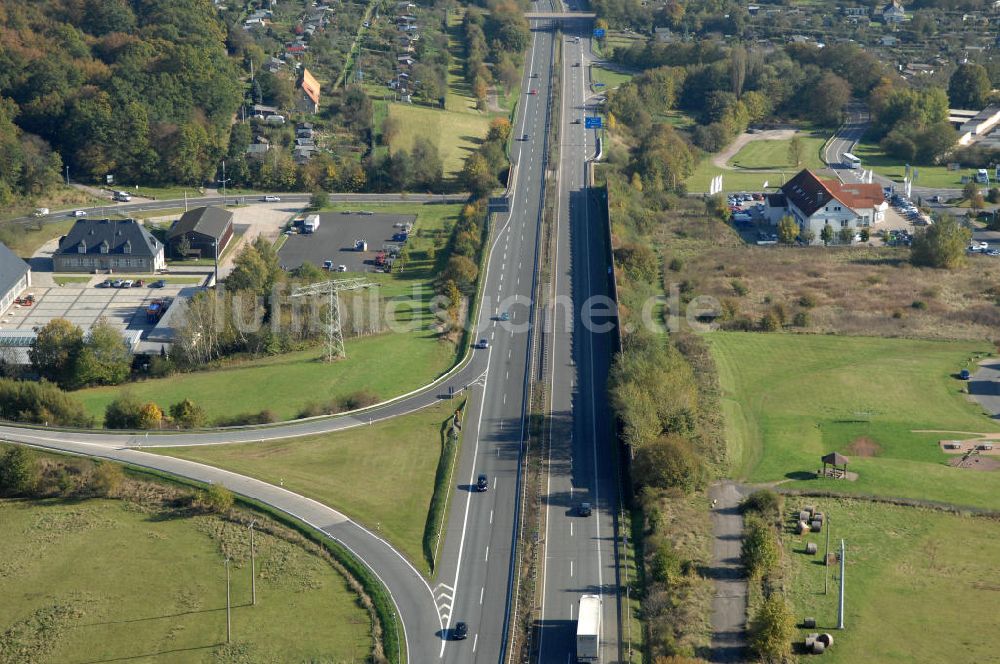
(729, 603)
(985, 387)
(579, 551)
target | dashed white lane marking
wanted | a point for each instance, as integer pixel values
(483, 590)
(487, 553)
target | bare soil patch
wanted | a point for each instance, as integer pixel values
(980, 463)
(863, 446)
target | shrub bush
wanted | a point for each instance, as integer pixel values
(772, 630)
(765, 502)
(188, 414)
(360, 399)
(669, 462)
(127, 412)
(40, 403)
(759, 552)
(18, 471)
(217, 498)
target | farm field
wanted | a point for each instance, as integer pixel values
(102, 581)
(789, 399)
(456, 133)
(915, 578)
(380, 475)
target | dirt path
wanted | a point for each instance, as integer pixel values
(729, 604)
(721, 160)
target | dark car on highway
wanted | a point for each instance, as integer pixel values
(461, 631)
(964, 374)
(482, 484)
(584, 509)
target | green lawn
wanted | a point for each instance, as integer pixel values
(26, 241)
(734, 180)
(871, 156)
(105, 581)
(610, 79)
(388, 364)
(921, 585)
(380, 475)
(789, 399)
(456, 134)
(65, 281)
(773, 154)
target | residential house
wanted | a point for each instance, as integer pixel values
(854, 11)
(15, 276)
(892, 13)
(204, 228)
(888, 40)
(814, 202)
(257, 150)
(106, 245)
(309, 90)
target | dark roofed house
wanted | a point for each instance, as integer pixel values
(15, 276)
(203, 227)
(103, 244)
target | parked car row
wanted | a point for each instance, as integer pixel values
(130, 283)
(983, 248)
(899, 238)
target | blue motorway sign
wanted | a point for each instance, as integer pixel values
(593, 122)
(599, 33)
(598, 85)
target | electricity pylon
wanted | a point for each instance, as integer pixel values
(334, 335)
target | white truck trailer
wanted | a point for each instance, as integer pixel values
(588, 629)
(310, 224)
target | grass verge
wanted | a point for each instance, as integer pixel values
(457, 134)
(380, 475)
(451, 443)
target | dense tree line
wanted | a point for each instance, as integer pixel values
(142, 90)
(494, 42)
(62, 354)
(910, 124)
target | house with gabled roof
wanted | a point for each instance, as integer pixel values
(309, 90)
(815, 202)
(202, 229)
(893, 12)
(108, 245)
(15, 276)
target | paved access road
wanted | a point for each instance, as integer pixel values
(580, 555)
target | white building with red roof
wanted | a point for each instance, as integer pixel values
(815, 202)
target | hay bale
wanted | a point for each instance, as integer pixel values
(811, 548)
(816, 526)
(802, 528)
(818, 647)
(809, 623)
(818, 516)
(825, 639)
(831, 559)
(805, 515)
(810, 508)
(810, 640)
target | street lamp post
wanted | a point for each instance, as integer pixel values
(253, 567)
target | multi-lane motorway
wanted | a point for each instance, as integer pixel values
(474, 580)
(579, 550)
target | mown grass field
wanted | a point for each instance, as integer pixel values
(789, 399)
(773, 154)
(103, 581)
(921, 585)
(381, 475)
(610, 79)
(871, 156)
(735, 180)
(456, 134)
(392, 363)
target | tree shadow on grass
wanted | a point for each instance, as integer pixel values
(801, 475)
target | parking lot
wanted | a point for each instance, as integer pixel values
(83, 304)
(334, 240)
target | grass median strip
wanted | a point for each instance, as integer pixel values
(381, 475)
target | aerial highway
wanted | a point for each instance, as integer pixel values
(580, 556)
(475, 574)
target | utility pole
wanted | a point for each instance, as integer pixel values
(229, 608)
(67, 175)
(826, 560)
(253, 567)
(215, 249)
(223, 183)
(840, 608)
